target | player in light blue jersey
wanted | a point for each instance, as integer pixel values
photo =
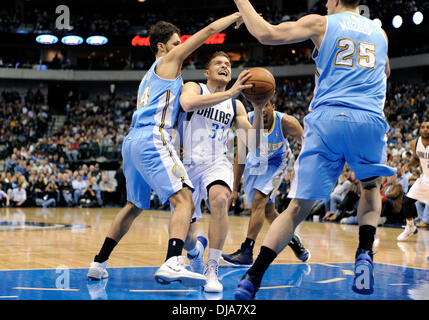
(345, 124)
(264, 170)
(149, 158)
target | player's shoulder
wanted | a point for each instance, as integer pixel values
(192, 85)
(314, 18)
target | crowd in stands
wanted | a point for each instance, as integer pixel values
(127, 22)
(125, 19)
(52, 166)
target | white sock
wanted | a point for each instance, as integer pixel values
(410, 223)
(214, 254)
(196, 251)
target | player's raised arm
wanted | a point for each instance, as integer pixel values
(178, 54)
(191, 98)
(312, 27)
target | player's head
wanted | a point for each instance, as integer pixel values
(268, 114)
(163, 36)
(218, 68)
(424, 130)
(333, 5)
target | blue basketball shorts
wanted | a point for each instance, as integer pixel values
(333, 136)
(268, 182)
(150, 161)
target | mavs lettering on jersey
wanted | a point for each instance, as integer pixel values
(216, 115)
(351, 64)
(205, 133)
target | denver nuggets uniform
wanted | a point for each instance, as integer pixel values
(150, 160)
(420, 189)
(345, 123)
(204, 135)
(266, 167)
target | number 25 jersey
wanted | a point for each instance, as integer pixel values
(350, 65)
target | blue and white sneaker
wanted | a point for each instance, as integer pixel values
(174, 270)
(247, 287)
(363, 282)
(197, 262)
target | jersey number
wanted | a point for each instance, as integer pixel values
(144, 99)
(215, 128)
(345, 57)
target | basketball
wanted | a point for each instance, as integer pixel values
(263, 82)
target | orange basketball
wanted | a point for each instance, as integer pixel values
(264, 85)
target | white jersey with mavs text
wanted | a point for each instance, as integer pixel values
(205, 133)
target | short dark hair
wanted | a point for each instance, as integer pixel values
(161, 32)
(217, 54)
(350, 3)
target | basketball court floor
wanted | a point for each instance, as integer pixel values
(45, 255)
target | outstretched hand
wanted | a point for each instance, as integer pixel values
(239, 85)
(240, 21)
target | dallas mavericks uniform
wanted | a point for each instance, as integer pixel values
(150, 160)
(266, 167)
(204, 137)
(345, 123)
(420, 189)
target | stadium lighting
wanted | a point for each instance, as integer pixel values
(96, 40)
(418, 18)
(397, 21)
(218, 38)
(47, 39)
(72, 40)
(378, 22)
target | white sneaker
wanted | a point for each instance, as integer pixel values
(408, 232)
(98, 271)
(197, 263)
(211, 272)
(174, 269)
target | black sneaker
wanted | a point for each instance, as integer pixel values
(243, 257)
(247, 287)
(300, 251)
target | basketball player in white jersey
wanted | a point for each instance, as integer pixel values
(149, 158)
(420, 189)
(210, 113)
